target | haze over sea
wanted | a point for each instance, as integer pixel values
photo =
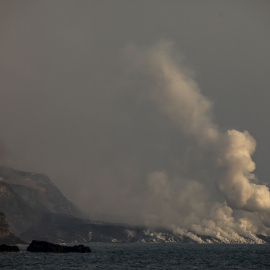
(145, 256)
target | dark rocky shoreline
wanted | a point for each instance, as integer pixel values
(7, 248)
(47, 247)
(43, 246)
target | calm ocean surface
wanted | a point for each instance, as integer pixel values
(146, 256)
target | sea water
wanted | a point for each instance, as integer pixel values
(145, 256)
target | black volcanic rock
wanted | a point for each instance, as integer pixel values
(6, 248)
(43, 246)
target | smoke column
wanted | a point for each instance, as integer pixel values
(189, 204)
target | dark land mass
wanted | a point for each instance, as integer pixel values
(63, 228)
(7, 248)
(36, 209)
(43, 246)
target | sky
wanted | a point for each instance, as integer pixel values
(135, 109)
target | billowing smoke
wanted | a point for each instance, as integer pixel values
(225, 202)
(236, 185)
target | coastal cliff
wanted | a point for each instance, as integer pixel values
(26, 196)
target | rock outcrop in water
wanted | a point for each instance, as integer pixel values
(43, 246)
(6, 248)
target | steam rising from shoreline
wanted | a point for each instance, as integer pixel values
(185, 205)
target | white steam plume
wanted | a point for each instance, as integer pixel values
(191, 205)
(236, 185)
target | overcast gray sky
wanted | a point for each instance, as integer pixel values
(73, 106)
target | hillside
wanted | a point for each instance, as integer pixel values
(25, 197)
